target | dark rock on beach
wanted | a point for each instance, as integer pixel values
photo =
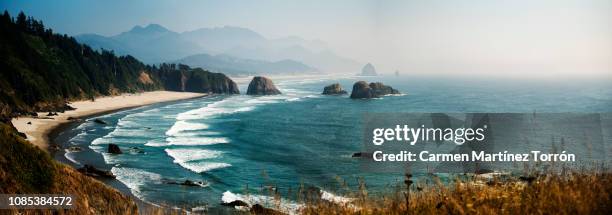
(333, 89)
(262, 86)
(114, 149)
(94, 172)
(362, 89)
(99, 121)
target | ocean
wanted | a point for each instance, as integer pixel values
(243, 144)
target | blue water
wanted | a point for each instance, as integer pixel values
(297, 138)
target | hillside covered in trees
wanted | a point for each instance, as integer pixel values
(41, 70)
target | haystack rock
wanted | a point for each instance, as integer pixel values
(334, 89)
(362, 89)
(262, 86)
(368, 70)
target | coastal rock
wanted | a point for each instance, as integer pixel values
(187, 182)
(198, 80)
(380, 89)
(114, 149)
(94, 172)
(235, 203)
(262, 86)
(334, 89)
(362, 89)
(99, 121)
(74, 149)
(368, 70)
(258, 209)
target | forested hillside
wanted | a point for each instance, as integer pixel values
(41, 70)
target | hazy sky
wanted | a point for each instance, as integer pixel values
(553, 38)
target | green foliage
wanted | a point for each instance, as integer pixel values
(41, 70)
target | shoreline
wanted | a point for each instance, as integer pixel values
(40, 130)
(52, 132)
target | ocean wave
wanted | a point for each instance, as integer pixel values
(200, 167)
(227, 106)
(156, 143)
(328, 196)
(186, 155)
(135, 178)
(70, 156)
(180, 126)
(195, 141)
(286, 206)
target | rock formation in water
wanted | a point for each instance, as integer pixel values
(368, 70)
(114, 149)
(262, 86)
(334, 89)
(362, 89)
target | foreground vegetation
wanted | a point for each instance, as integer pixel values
(25, 169)
(566, 192)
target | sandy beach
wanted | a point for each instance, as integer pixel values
(37, 129)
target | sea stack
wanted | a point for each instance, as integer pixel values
(114, 149)
(262, 86)
(368, 70)
(363, 90)
(333, 89)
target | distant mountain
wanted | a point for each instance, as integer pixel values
(154, 44)
(238, 66)
(151, 44)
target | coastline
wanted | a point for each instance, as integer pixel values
(43, 127)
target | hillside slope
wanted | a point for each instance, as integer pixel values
(25, 169)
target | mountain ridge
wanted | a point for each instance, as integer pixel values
(155, 44)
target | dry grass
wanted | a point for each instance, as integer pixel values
(568, 192)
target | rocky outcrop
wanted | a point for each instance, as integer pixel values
(235, 203)
(199, 81)
(95, 172)
(334, 89)
(114, 149)
(380, 89)
(189, 183)
(99, 121)
(262, 86)
(368, 70)
(362, 89)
